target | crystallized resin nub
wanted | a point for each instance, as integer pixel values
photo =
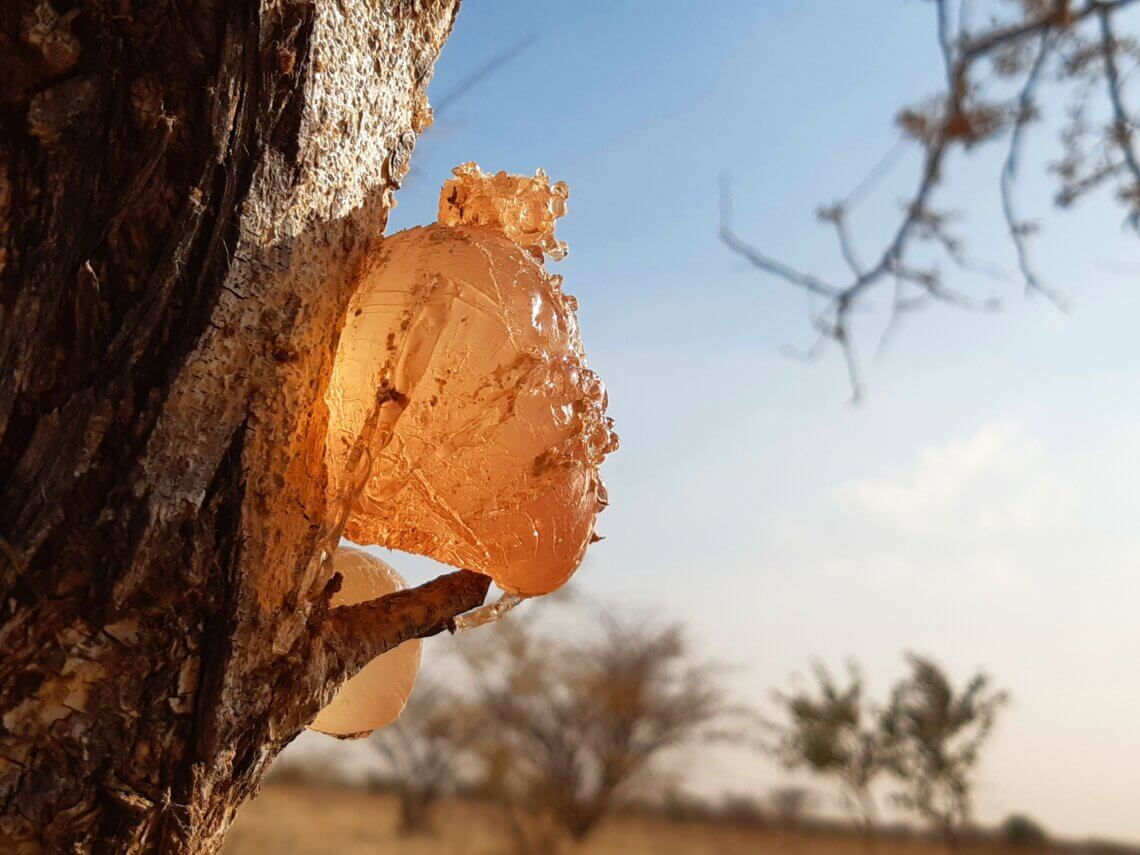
(461, 371)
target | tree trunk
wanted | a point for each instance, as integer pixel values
(187, 190)
(416, 808)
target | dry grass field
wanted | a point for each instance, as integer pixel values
(301, 820)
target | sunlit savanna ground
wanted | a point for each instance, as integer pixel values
(299, 820)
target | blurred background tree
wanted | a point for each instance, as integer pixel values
(1021, 830)
(932, 736)
(829, 729)
(791, 805)
(423, 749)
(576, 724)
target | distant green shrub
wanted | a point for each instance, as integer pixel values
(1020, 830)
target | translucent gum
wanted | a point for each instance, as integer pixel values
(376, 695)
(461, 373)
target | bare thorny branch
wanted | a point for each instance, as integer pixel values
(1047, 37)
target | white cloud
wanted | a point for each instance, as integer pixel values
(996, 479)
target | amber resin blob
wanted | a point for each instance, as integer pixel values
(376, 695)
(465, 423)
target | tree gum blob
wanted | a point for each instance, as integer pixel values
(460, 395)
(376, 695)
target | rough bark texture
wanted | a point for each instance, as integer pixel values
(187, 189)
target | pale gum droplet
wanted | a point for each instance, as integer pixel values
(461, 358)
(376, 695)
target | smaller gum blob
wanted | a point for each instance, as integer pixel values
(462, 368)
(376, 695)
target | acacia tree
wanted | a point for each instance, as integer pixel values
(791, 805)
(187, 190)
(424, 747)
(997, 56)
(932, 736)
(831, 732)
(577, 724)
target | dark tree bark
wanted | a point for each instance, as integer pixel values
(187, 189)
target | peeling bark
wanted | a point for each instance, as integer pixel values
(187, 190)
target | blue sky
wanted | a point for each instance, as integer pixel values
(978, 507)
